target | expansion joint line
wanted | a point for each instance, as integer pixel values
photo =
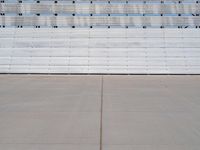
(101, 114)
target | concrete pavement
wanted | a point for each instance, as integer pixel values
(47, 112)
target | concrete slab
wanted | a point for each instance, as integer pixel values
(64, 112)
(150, 128)
(50, 93)
(47, 127)
(151, 112)
(49, 112)
(151, 93)
(49, 146)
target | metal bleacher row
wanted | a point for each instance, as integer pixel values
(100, 13)
(127, 36)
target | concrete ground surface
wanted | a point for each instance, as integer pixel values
(49, 112)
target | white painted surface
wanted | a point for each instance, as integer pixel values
(127, 51)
